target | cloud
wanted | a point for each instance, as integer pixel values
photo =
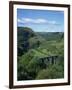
(37, 21)
(19, 20)
(52, 22)
(40, 21)
(26, 20)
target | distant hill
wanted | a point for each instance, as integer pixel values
(51, 35)
(27, 39)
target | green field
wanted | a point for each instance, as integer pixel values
(36, 52)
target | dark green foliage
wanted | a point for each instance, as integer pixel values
(23, 34)
(52, 72)
(33, 48)
(23, 74)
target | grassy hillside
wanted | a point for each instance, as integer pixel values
(32, 46)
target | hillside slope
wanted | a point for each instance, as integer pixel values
(32, 46)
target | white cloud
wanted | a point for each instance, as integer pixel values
(41, 21)
(37, 21)
(19, 20)
(27, 20)
(52, 22)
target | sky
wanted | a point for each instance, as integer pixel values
(41, 20)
